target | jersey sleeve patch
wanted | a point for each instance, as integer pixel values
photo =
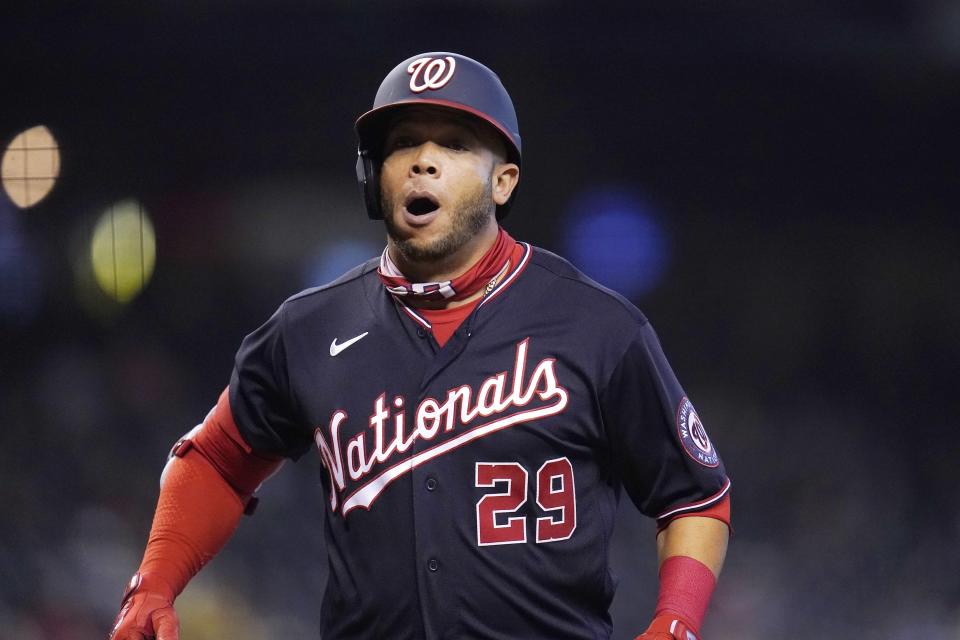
(693, 436)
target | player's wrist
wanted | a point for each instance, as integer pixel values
(149, 582)
(668, 625)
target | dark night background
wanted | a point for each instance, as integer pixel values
(798, 163)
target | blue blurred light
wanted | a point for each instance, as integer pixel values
(614, 236)
(20, 269)
(331, 261)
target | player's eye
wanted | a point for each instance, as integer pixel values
(456, 145)
(400, 142)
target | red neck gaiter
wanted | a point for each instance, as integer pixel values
(461, 287)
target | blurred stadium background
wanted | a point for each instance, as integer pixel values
(775, 184)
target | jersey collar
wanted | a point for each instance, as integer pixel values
(500, 287)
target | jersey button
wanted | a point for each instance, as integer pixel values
(431, 483)
(432, 564)
(421, 332)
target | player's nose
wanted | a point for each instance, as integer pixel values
(426, 161)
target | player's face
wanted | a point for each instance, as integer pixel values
(441, 181)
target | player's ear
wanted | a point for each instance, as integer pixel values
(506, 175)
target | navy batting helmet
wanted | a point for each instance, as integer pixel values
(443, 79)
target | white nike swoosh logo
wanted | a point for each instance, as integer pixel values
(337, 348)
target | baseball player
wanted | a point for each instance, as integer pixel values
(477, 404)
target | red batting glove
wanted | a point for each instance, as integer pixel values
(146, 611)
(667, 627)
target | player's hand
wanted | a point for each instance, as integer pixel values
(146, 612)
(668, 627)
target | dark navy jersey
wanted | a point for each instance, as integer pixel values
(472, 488)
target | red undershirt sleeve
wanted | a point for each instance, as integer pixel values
(720, 510)
(203, 495)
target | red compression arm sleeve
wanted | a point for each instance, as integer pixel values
(202, 498)
(686, 586)
(196, 514)
(220, 442)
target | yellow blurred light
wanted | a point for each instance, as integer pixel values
(123, 250)
(30, 166)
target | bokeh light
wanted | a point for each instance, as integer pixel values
(30, 166)
(615, 237)
(123, 250)
(331, 261)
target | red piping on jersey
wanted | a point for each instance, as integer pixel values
(410, 312)
(521, 265)
(696, 506)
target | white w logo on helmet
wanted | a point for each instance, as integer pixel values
(434, 72)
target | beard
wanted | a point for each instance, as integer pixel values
(467, 218)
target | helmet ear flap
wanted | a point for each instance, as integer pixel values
(368, 177)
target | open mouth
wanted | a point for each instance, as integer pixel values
(422, 205)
